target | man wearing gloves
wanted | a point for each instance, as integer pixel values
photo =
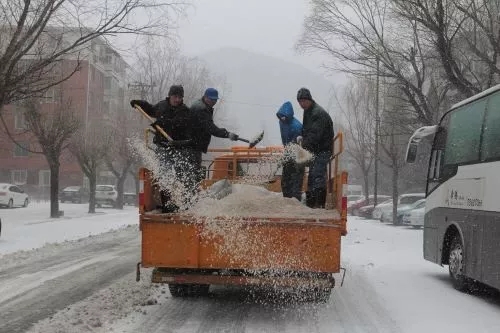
(317, 137)
(203, 112)
(175, 118)
(293, 174)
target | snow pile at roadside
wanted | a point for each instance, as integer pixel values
(105, 307)
(39, 254)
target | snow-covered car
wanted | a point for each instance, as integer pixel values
(367, 211)
(354, 207)
(106, 195)
(385, 212)
(76, 194)
(12, 196)
(387, 217)
(415, 217)
(377, 212)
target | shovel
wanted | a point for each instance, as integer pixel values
(157, 127)
(252, 143)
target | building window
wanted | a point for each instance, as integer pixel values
(21, 149)
(20, 118)
(44, 178)
(19, 177)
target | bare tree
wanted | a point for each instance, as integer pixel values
(160, 64)
(465, 36)
(364, 38)
(37, 35)
(357, 109)
(91, 148)
(51, 126)
(121, 159)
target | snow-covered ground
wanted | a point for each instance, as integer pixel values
(31, 227)
(388, 286)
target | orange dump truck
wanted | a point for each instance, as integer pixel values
(280, 251)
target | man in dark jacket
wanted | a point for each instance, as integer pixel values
(175, 118)
(293, 174)
(317, 137)
(203, 111)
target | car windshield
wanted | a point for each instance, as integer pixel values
(72, 188)
(104, 188)
(409, 200)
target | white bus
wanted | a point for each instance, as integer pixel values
(462, 211)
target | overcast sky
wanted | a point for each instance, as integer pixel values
(270, 27)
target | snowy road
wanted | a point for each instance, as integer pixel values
(36, 288)
(89, 286)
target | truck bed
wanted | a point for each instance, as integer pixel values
(252, 243)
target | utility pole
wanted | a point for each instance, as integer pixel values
(377, 128)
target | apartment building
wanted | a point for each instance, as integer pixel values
(97, 93)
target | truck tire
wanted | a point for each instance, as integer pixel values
(178, 290)
(456, 265)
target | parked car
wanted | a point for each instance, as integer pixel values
(377, 212)
(76, 194)
(367, 211)
(384, 212)
(12, 196)
(353, 209)
(129, 198)
(106, 195)
(415, 216)
(353, 197)
(402, 209)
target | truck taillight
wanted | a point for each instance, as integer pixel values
(141, 188)
(3, 193)
(343, 212)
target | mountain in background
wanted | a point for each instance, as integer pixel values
(259, 85)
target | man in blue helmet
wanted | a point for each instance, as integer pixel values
(204, 128)
(293, 174)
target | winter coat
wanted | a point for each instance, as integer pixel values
(291, 128)
(317, 130)
(176, 121)
(205, 127)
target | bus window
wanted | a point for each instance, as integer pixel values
(490, 149)
(464, 134)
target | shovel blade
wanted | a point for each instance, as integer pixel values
(256, 140)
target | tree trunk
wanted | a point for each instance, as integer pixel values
(395, 193)
(54, 188)
(119, 188)
(366, 181)
(92, 185)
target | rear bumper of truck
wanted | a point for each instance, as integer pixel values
(306, 280)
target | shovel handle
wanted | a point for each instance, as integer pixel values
(244, 140)
(157, 127)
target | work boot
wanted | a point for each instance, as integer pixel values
(320, 198)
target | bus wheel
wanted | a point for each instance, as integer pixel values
(457, 265)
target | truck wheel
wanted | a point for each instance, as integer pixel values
(178, 290)
(456, 265)
(199, 290)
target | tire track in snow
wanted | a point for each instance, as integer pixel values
(38, 289)
(355, 307)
